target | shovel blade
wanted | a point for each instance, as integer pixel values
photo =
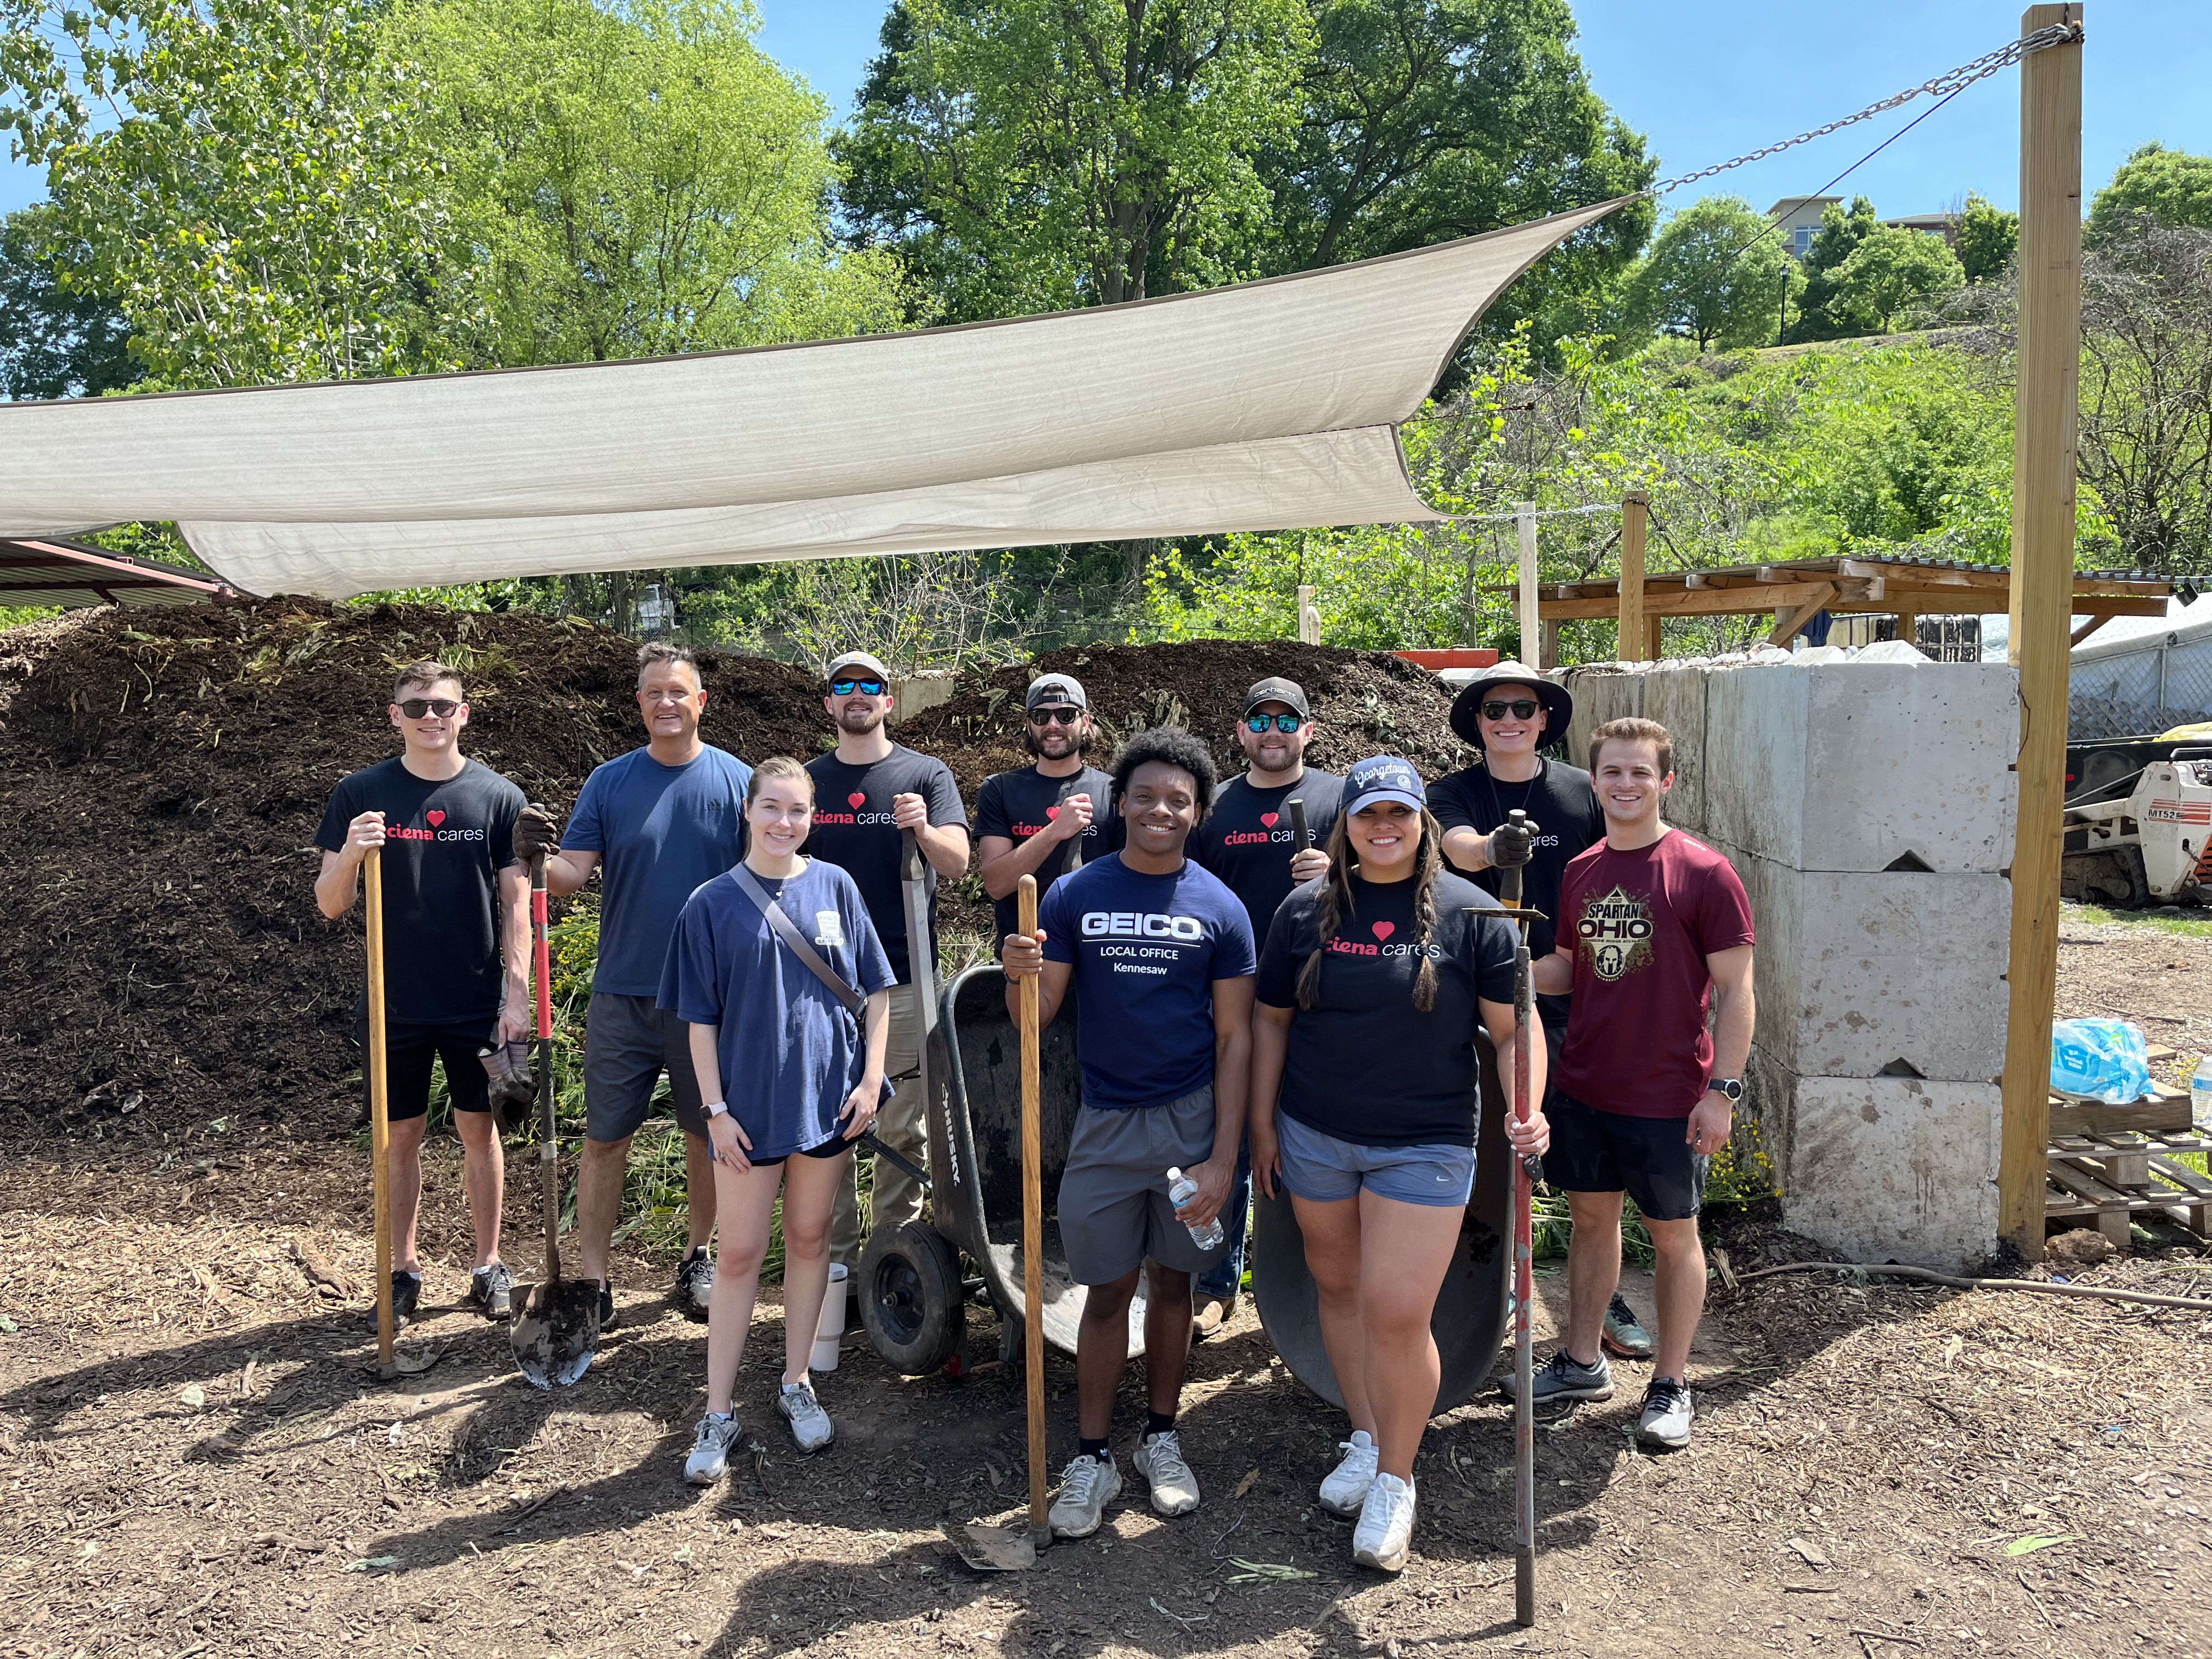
(556, 1335)
(994, 1549)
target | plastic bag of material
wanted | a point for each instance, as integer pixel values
(2104, 1060)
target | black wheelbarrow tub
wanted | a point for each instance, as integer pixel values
(976, 1152)
(1473, 1304)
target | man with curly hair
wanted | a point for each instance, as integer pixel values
(1160, 954)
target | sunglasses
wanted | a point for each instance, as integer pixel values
(1522, 708)
(867, 687)
(1281, 722)
(416, 708)
(1059, 714)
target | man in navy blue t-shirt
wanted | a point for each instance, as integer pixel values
(656, 823)
(1160, 954)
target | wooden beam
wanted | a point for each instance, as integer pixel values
(2045, 431)
(1548, 658)
(2086, 630)
(1655, 638)
(1635, 509)
(1699, 602)
(1786, 631)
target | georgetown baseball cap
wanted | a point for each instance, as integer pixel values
(1383, 777)
(1055, 688)
(862, 660)
(1288, 692)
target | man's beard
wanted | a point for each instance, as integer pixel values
(1036, 750)
(859, 721)
(1259, 762)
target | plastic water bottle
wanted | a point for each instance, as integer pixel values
(2200, 1097)
(1181, 1190)
(830, 1327)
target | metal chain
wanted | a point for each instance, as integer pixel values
(2055, 34)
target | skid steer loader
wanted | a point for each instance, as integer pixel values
(2150, 843)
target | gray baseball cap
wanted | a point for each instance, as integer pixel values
(1055, 688)
(860, 659)
(1276, 690)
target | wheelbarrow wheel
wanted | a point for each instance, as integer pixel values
(911, 1299)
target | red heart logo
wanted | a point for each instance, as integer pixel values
(856, 800)
(1384, 929)
(435, 816)
(1051, 812)
(1268, 818)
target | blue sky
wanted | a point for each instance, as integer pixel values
(1717, 78)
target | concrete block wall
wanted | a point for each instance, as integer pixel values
(1868, 809)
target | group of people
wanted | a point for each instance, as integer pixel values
(1254, 1009)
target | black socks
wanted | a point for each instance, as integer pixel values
(1094, 1449)
(1155, 1424)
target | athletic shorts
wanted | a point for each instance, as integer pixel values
(627, 1042)
(1647, 1157)
(408, 1051)
(1114, 1207)
(1322, 1170)
(827, 1149)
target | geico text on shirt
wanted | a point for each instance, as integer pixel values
(1136, 924)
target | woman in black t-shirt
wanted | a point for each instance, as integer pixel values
(1364, 1098)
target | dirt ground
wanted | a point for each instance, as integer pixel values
(2137, 970)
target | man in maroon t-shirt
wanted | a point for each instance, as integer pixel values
(1654, 931)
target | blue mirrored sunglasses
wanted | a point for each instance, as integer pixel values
(1281, 722)
(867, 687)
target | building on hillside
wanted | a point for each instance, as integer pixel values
(1799, 217)
(1945, 225)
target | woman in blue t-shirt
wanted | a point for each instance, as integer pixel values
(1364, 1102)
(788, 1076)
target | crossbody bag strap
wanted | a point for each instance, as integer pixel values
(782, 927)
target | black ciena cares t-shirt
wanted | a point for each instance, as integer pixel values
(853, 830)
(1568, 821)
(446, 841)
(1363, 1064)
(1247, 839)
(1019, 804)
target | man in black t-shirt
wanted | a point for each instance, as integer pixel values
(866, 792)
(456, 952)
(1047, 819)
(1509, 713)
(1247, 841)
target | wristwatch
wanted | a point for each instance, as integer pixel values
(720, 1108)
(1729, 1089)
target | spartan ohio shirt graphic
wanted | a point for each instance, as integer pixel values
(1616, 933)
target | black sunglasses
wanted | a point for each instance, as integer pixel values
(1522, 709)
(868, 688)
(1281, 722)
(416, 708)
(1060, 714)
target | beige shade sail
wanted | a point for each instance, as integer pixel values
(1267, 405)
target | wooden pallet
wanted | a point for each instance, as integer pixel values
(2111, 1176)
(2163, 1108)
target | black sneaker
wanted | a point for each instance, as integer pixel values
(1562, 1378)
(492, 1290)
(606, 1305)
(406, 1294)
(694, 1284)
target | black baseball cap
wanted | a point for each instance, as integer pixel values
(1289, 692)
(1055, 688)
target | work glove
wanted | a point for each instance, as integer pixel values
(514, 1087)
(535, 830)
(1512, 843)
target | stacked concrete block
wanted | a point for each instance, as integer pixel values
(1868, 808)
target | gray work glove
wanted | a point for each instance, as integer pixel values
(514, 1087)
(1512, 843)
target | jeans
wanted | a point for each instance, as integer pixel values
(1221, 1280)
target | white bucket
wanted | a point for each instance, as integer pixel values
(830, 1327)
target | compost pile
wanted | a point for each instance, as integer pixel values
(163, 963)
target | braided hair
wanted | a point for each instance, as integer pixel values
(1336, 900)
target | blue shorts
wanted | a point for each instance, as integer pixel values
(1322, 1170)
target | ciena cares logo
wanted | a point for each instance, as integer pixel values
(1133, 924)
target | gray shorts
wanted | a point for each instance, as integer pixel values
(627, 1042)
(1114, 1208)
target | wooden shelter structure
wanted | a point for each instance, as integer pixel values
(71, 574)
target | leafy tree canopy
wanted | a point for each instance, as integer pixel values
(1988, 238)
(54, 342)
(1891, 272)
(2171, 185)
(1716, 272)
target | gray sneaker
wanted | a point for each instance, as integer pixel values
(1087, 1485)
(810, 1424)
(1560, 1378)
(1159, 1460)
(492, 1290)
(1624, 1333)
(717, 1439)
(694, 1285)
(1669, 1406)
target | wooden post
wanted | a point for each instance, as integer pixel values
(1524, 525)
(1635, 506)
(1547, 654)
(2046, 423)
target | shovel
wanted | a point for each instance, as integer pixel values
(379, 1111)
(1524, 1419)
(557, 1333)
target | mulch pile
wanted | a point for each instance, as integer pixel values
(164, 965)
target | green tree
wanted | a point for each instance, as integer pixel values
(640, 178)
(1716, 272)
(54, 341)
(1988, 238)
(263, 209)
(1825, 314)
(2171, 185)
(1892, 272)
(1025, 157)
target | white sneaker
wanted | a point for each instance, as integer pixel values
(1344, 1488)
(717, 1439)
(1159, 1460)
(1384, 1536)
(1087, 1485)
(810, 1424)
(1668, 1408)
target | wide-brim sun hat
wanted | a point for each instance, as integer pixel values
(1466, 708)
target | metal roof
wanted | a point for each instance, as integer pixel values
(71, 574)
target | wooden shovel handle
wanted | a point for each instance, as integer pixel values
(379, 1106)
(1033, 1219)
